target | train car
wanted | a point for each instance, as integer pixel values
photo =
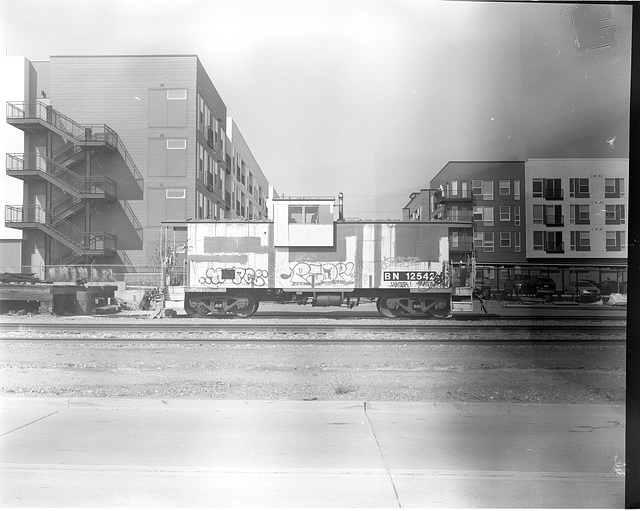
(305, 256)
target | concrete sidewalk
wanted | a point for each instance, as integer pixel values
(201, 453)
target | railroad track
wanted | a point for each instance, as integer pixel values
(346, 327)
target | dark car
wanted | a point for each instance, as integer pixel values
(544, 286)
(584, 291)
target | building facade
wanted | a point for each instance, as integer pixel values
(559, 218)
(576, 210)
(146, 138)
(490, 194)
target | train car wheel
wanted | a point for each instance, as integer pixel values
(386, 309)
(244, 306)
(440, 308)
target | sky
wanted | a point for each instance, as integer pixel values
(372, 98)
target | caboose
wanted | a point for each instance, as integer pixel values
(306, 255)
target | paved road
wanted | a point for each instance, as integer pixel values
(185, 453)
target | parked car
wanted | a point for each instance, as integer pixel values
(544, 286)
(583, 290)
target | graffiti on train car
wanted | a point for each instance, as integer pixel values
(216, 277)
(404, 262)
(319, 274)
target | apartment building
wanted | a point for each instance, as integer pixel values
(114, 145)
(577, 210)
(490, 194)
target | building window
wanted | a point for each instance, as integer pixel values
(477, 240)
(516, 241)
(537, 187)
(516, 215)
(505, 240)
(553, 242)
(312, 214)
(516, 189)
(487, 190)
(200, 163)
(615, 214)
(174, 94)
(614, 241)
(538, 243)
(553, 216)
(476, 185)
(579, 188)
(487, 216)
(175, 193)
(579, 214)
(505, 187)
(614, 188)
(487, 242)
(176, 143)
(477, 213)
(581, 241)
(200, 212)
(553, 189)
(537, 214)
(505, 213)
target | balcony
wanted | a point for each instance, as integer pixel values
(553, 193)
(33, 166)
(36, 217)
(554, 220)
(30, 115)
(33, 114)
(554, 247)
(456, 195)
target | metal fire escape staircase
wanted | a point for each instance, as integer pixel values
(77, 190)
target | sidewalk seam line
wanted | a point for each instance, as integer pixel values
(29, 423)
(384, 462)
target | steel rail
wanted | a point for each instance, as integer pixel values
(380, 327)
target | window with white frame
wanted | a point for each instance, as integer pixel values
(538, 240)
(615, 214)
(477, 213)
(505, 187)
(516, 189)
(476, 186)
(615, 241)
(614, 187)
(537, 187)
(537, 214)
(487, 245)
(175, 193)
(505, 240)
(487, 190)
(580, 240)
(516, 215)
(487, 215)
(517, 241)
(505, 213)
(200, 212)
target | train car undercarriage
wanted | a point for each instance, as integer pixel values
(391, 305)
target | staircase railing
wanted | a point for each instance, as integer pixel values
(61, 175)
(131, 215)
(82, 133)
(65, 204)
(67, 152)
(66, 232)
